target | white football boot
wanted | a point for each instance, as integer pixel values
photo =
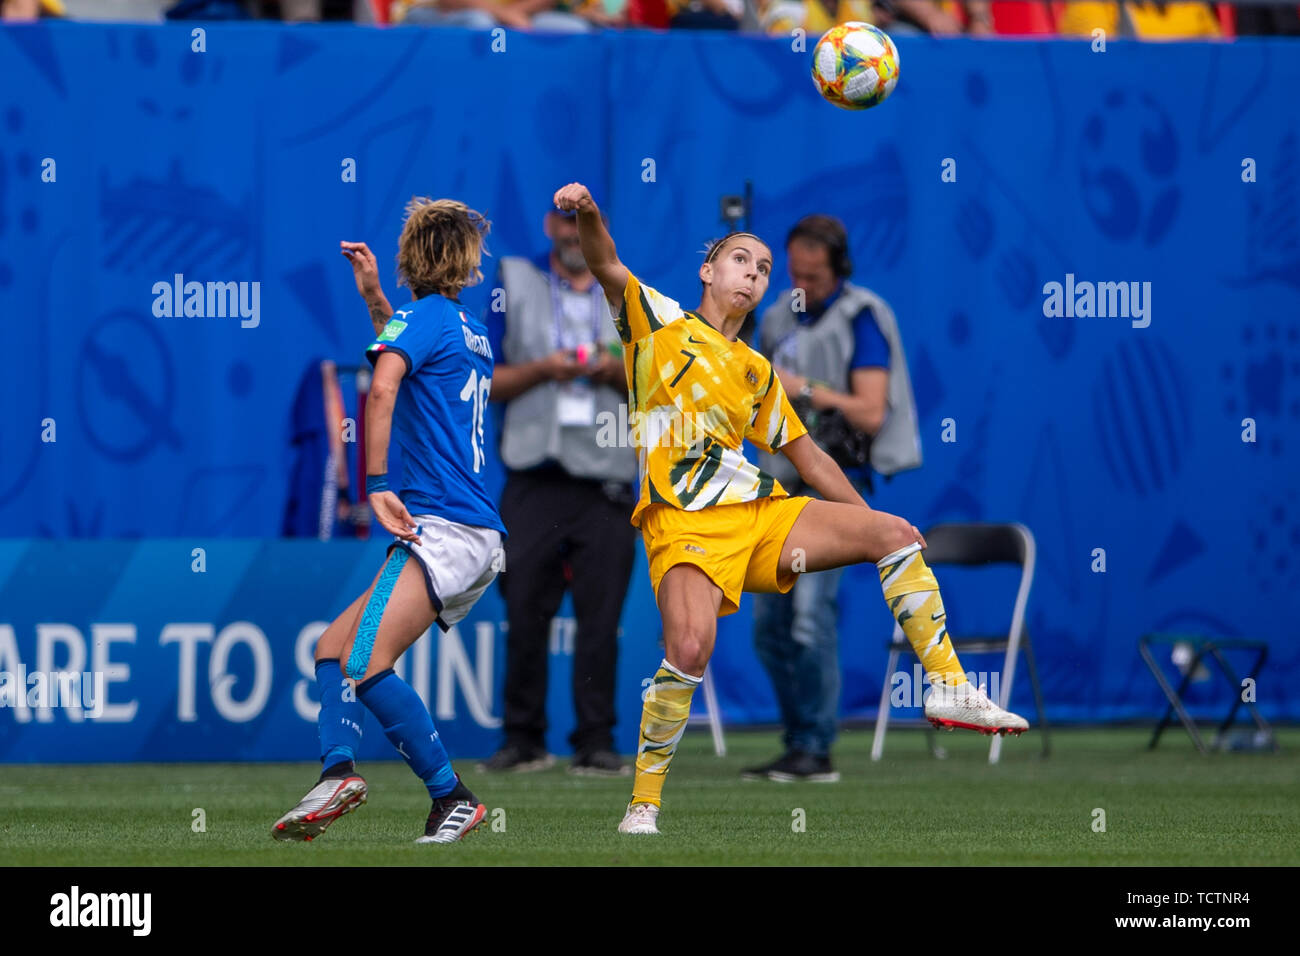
(324, 803)
(968, 707)
(640, 818)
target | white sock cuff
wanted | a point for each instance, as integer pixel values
(898, 555)
(673, 670)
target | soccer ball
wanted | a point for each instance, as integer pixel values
(855, 65)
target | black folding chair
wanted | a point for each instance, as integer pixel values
(974, 545)
(1204, 648)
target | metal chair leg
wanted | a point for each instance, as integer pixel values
(715, 718)
(882, 715)
(1174, 698)
(1238, 700)
(1038, 692)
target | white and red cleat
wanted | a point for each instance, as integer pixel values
(968, 707)
(323, 804)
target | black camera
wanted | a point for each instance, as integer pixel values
(734, 209)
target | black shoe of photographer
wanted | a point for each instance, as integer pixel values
(800, 767)
(599, 763)
(762, 771)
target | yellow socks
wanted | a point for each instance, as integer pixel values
(663, 720)
(912, 594)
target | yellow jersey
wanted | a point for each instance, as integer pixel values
(814, 17)
(695, 396)
(1150, 20)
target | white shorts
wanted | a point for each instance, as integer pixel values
(459, 562)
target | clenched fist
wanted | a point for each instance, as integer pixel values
(574, 196)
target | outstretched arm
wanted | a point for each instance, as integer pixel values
(597, 244)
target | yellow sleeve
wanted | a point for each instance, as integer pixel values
(774, 423)
(644, 311)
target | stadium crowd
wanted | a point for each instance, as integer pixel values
(1143, 20)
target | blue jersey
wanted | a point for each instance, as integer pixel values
(438, 418)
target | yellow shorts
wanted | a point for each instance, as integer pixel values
(737, 546)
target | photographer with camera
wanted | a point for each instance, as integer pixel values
(837, 350)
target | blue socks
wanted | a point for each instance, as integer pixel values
(409, 728)
(340, 715)
(401, 713)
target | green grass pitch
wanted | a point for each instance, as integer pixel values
(1170, 807)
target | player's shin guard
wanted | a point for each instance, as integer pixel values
(912, 594)
(409, 728)
(663, 720)
(339, 719)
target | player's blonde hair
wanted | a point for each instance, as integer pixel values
(441, 247)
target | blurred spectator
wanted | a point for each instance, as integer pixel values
(779, 17)
(605, 13)
(19, 10)
(208, 10)
(291, 11)
(1262, 19)
(918, 16)
(1172, 21)
(117, 11)
(705, 14)
(1007, 18)
(313, 11)
(300, 10)
(1147, 21)
(815, 17)
(549, 16)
